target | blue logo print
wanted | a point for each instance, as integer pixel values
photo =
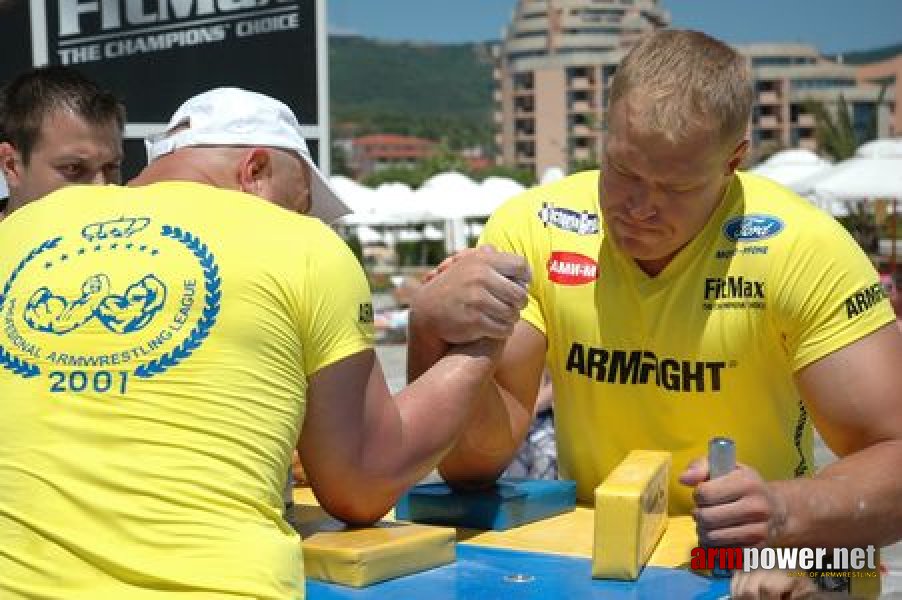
(111, 301)
(118, 228)
(752, 228)
(127, 313)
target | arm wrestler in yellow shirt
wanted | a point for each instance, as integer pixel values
(164, 346)
(676, 299)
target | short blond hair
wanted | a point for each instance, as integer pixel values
(683, 80)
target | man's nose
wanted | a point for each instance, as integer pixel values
(640, 204)
(99, 177)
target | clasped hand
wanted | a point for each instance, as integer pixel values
(475, 294)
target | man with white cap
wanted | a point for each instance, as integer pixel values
(166, 344)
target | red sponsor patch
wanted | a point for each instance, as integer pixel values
(571, 268)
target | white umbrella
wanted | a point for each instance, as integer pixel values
(450, 195)
(432, 233)
(883, 147)
(360, 199)
(875, 172)
(399, 204)
(789, 167)
(859, 177)
(368, 235)
(551, 174)
(498, 190)
(409, 235)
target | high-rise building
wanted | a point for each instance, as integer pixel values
(553, 70)
(888, 74)
(556, 59)
(789, 78)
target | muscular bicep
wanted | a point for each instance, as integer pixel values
(855, 393)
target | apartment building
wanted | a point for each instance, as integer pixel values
(886, 73)
(371, 153)
(788, 77)
(556, 59)
(552, 75)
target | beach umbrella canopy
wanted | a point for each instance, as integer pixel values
(881, 148)
(858, 178)
(551, 174)
(498, 190)
(450, 195)
(409, 235)
(433, 233)
(789, 167)
(367, 235)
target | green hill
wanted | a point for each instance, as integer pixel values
(430, 90)
(437, 91)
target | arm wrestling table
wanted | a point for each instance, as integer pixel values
(547, 559)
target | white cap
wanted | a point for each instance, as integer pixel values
(236, 117)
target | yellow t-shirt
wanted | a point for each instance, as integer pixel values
(708, 347)
(155, 349)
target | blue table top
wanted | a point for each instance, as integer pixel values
(492, 573)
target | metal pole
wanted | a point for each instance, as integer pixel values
(892, 256)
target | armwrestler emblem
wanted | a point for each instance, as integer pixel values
(127, 313)
(135, 309)
(55, 314)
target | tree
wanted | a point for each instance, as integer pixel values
(524, 177)
(836, 137)
(339, 162)
(442, 161)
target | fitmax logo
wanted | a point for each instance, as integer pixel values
(114, 14)
(729, 288)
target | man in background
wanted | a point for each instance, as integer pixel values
(57, 128)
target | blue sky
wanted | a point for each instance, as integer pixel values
(831, 25)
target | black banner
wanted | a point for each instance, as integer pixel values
(154, 54)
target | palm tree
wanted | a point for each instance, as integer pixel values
(836, 137)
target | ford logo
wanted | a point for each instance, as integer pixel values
(752, 228)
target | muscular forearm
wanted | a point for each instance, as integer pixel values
(405, 439)
(854, 502)
(490, 440)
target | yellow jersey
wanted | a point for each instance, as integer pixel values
(155, 349)
(706, 348)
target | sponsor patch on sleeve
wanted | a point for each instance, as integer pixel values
(864, 300)
(565, 219)
(366, 313)
(571, 268)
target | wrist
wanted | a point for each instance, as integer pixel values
(423, 327)
(781, 527)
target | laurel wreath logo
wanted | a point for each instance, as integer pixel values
(212, 300)
(8, 361)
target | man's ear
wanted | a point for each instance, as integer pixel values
(737, 156)
(255, 171)
(10, 164)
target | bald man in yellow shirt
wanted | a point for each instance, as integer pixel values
(165, 346)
